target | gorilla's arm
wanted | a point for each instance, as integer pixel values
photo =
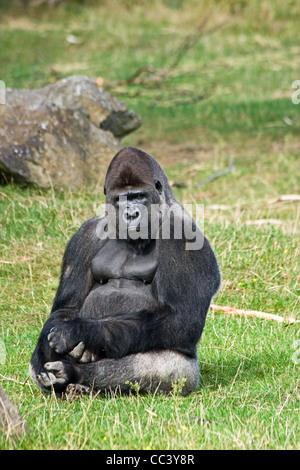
(76, 278)
(127, 333)
(75, 283)
(183, 285)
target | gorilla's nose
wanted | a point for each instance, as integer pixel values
(131, 214)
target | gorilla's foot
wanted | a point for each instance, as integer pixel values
(76, 390)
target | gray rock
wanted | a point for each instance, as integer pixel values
(62, 135)
(10, 422)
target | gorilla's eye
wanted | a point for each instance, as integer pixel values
(139, 196)
(158, 186)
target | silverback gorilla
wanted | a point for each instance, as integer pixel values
(132, 299)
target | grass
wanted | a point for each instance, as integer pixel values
(249, 392)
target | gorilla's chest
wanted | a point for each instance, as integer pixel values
(118, 260)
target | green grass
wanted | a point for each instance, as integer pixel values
(249, 392)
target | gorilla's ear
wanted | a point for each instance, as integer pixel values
(158, 186)
(104, 190)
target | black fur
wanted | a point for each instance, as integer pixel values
(123, 301)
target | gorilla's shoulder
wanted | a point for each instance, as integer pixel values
(90, 224)
(87, 231)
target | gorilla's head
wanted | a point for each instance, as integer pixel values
(135, 185)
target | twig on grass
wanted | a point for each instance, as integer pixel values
(285, 198)
(250, 204)
(11, 379)
(146, 73)
(216, 175)
(179, 184)
(152, 78)
(18, 261)
(252, 313)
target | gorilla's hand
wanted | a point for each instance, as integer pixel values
(83, 355)
(63, 337)
(57, 375)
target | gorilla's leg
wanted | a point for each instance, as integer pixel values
(155, 370)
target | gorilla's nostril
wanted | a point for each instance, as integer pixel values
(135, 214)
(131, 214)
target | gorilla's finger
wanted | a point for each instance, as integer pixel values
(43, 379)
(56, 366)
(57, 372)
(86, 357)
(78, 351)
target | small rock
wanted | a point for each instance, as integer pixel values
(11, 423)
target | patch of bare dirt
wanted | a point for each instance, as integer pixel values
(168, 154)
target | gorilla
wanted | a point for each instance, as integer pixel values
(133, 294)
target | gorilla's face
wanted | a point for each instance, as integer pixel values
(133, 213)
(133, 190)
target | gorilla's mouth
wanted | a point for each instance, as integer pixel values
(134, 228)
